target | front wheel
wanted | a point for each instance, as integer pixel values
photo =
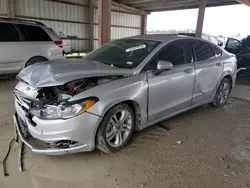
(116, 128)
(222, 93)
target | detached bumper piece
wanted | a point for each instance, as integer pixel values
(20, 157)
(38, 146)
(240, 69)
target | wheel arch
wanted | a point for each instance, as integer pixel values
(38, 56)
(136, 108)
(227, 75)
(230, 78)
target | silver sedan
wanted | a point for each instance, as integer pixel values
(70, 106)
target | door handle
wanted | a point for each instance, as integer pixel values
(218, 64)
(189, 71)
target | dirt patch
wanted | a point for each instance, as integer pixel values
(205, 147)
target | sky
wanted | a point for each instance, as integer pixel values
(224, 20)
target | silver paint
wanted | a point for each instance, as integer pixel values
(59, 72)
(154, 97)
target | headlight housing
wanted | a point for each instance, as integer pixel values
(66, 111)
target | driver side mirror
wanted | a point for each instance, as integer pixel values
(162, 66)
(220, 43)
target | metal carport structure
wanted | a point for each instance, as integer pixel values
(167, 5)
(87, 24)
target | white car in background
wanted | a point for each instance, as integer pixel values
(26, 42)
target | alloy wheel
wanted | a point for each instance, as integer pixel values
(223, 93)
(119, 128)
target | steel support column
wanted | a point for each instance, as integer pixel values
(201, 15)
(104, 19)
(11, 8)
(91, 25)
(144, 24)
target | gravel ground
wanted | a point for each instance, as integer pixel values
(205, 147)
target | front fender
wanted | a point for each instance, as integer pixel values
(133, 88)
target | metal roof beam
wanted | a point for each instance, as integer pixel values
(182, 6)
(165, 3)
(132, 2)
(246, 2)
(139, 11)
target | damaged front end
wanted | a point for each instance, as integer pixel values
(48, 122)
(47, 119)
(52, 102)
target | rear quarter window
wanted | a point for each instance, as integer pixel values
(217, 51)
(203, 51)
(33, 33)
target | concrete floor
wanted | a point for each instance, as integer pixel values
(215, 152)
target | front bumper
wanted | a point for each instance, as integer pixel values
(81, 130)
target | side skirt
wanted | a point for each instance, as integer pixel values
(170, 115)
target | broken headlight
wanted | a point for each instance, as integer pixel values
(66, 111)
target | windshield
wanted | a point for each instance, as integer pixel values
(124, 53)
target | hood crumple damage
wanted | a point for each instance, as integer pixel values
(59, 72)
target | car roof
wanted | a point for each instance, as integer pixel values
(162, 37)
(21, 21)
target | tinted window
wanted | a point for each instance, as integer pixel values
(8, 33)
(33, 33)
(123, 53)
(177, 53)
(173, 53)
(218, 52)
(188, 51)
(233, 44)
(203, 51)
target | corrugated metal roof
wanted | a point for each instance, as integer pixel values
(165, 5)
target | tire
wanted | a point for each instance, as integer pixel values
(222, 93)
(108, 134)
(35, 60)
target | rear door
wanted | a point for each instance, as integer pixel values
(171, 91)
(12, 53)
(208, 68)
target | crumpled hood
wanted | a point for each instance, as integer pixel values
(59, 72)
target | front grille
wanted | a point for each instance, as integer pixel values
(23, 100)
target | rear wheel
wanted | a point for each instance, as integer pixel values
(116, 128)
(222, 93)
(35, 60)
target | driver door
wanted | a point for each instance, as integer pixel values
(233, 46)
(171, 90)
(241, 50)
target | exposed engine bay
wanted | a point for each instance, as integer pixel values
(59, 94)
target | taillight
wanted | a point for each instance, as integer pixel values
(59, 44)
